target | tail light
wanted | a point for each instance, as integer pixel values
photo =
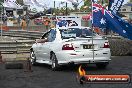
(106, 45)
(67, 47)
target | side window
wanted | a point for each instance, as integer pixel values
(52, 35)
(45, 35)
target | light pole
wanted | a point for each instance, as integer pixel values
(1, 18)
(66, 9)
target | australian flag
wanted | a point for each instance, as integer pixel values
(98, 19)
(104, 18)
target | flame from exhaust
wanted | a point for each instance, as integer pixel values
(81, 71)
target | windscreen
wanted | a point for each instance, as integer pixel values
(76, 32)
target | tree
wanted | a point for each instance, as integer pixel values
(76, 4)
(87, 5)
(20, 2)
(1, 7)
(62, 10)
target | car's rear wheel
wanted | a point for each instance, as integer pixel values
(33, 58)
(54, 62)
(102, 65)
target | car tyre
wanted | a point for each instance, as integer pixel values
(101, 65)
(54, 62)
(33, 58)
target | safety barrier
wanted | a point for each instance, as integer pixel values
(23, 34)
(31, 27)
(23, 41)
(18, 46)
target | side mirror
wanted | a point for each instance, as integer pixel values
(41, 40)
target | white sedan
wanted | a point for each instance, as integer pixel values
(60, 46)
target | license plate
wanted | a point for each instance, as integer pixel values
(88, 46)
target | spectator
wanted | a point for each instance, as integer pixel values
(23, 24)
(27, 20)
(4, 18)
(46, 22)
(19, 19)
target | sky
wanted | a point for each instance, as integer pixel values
(50, 3)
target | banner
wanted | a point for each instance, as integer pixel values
(115, 5)
(68, 21)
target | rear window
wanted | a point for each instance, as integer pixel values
(76, 32)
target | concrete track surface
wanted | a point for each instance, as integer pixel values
(43, 77)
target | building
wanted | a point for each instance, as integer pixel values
(126, 10)
(16, 12)
(13, 13)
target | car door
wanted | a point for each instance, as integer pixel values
(38, 49)
(46, 47)
(40, 43)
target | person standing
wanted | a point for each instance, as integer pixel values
(23, 24)
(4, 19)
(27, 20)
(19, 19)
(46, 22)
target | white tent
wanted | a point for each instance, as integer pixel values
(11, 4)
(35, 3)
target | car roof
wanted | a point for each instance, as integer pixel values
(61, 28)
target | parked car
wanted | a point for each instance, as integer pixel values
(38, 21)
(75, 45)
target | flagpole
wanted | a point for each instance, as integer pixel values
(92, 29)
(54, 12)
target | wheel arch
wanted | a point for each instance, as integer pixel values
(51, 52)
(31, 49)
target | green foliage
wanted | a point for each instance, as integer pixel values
(62, 10)
(20, 2)
(1, 1)
(87, 5)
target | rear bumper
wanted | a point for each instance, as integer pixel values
(83, 62)
(82, 57)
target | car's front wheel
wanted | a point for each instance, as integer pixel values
(33, 58)
(54, 62)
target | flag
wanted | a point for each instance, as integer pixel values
(110, 4)
(111, 21)
(98, 19)
(115, 5)
(126, 27)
